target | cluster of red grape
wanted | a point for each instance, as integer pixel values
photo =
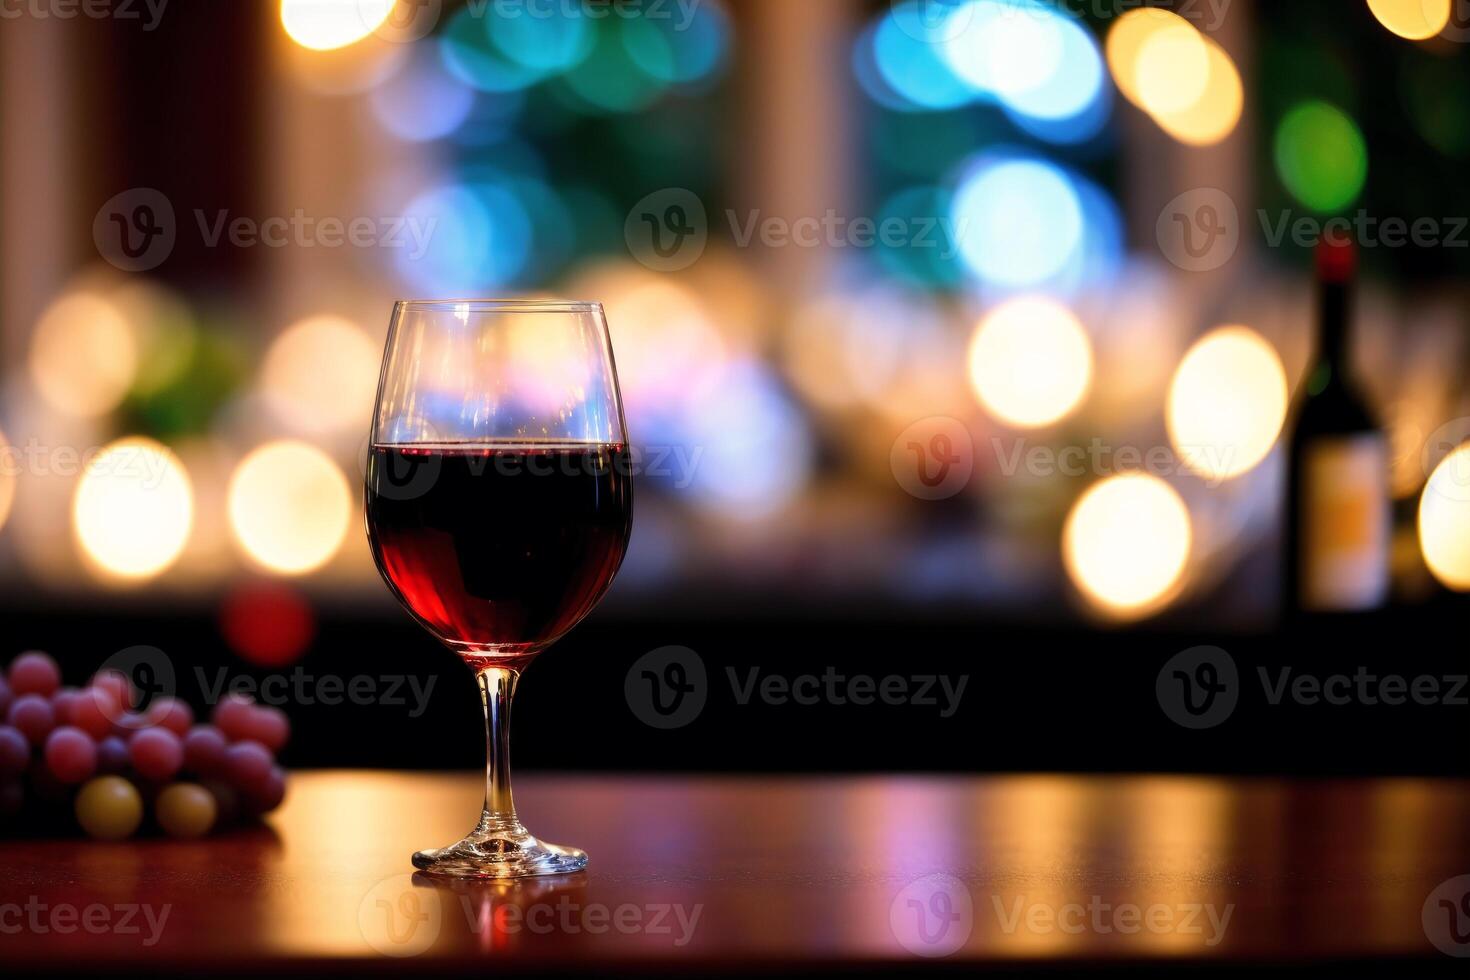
(58, 741)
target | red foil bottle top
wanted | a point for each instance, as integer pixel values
(1337, 257)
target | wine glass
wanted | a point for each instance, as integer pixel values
(499, 503)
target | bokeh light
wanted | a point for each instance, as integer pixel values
(1172, 69)
(1412, 19)
(907, 51)
(467, 52)
(133, 509)
(83, 355)
(1321, 156)
(681, 52)
(1215, 114)
(1019, 221)
(321, 374)
(543, 40)
(1030, 362)
(479, 239)
(1039, 63)
(323, 25)
(1126, 544)
(289, 507)
(1227, 403)
(748, 450)
(423, 101)
(1126, 40)
(1444, 520)
(270, 624)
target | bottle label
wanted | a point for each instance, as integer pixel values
(1345, 524)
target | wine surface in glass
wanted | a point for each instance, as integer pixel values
(499, 549)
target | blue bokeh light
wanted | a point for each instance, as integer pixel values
(423, 101)
(1019, 221)
(906, 50)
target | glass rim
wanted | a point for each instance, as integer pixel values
(496, 306)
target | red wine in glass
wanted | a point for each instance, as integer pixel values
(501, 546)
(498, 504)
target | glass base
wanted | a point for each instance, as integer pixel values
(509, 853)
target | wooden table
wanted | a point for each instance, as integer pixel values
(745, 873)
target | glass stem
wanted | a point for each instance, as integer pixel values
(497, 688)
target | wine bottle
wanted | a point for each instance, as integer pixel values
(1339, 517)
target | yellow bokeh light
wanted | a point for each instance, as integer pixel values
(1444, 520)
(289, 507)
(133, 509)
(1126, 40)
(1215, 114)
(1227, 403)
(1173, 69)
(83, 355)
(1416, 20)
(323, 25)
(321, 375)
(1030, 362)
(1126, 544)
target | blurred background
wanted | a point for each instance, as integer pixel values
(895, 290)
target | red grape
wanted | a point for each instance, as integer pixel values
(34, 673)
(61, 703)
(94, 711)
(112, 755)
(157, 754)
(268, 726)
(232, 716)
(118, 684)
(129, 722)
(170, 713)
(71, 755)
(5, 696)
(32, 714)
(269, 793)
(248, 765)
(15, 751)
(204, 750)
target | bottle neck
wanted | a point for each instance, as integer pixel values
(1333, 315)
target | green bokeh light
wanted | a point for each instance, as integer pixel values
(1321, 156)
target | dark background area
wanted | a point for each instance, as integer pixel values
(1039, 696)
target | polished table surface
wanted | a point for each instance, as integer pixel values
(702, 872)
